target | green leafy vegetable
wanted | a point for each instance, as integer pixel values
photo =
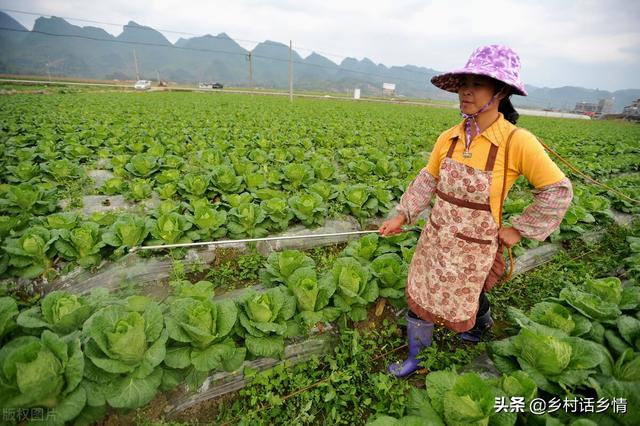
(297, 176)
(59, 311)
(391, 274)
(8, 314)
(25, 198)
(355, 289)
(208, 221)
(590, 304)
(360, 201)
(62, 170)
(112, 186)
(364, 249)
(139, 189)
(225, 180)
(43, 372)
(170, 228)
(124, 348)
(279, 266)
(30, 255)
(67, 220)
(126, 232)
(278, 214)
(81, 244)
(200, 337)
(308, 208)
(553, 362)
(312, 296)
(195, 184)
(266, 319)
(142, 165)
(247, 220)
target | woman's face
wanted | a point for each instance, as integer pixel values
(475, 92)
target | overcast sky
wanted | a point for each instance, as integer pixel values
(589, 43)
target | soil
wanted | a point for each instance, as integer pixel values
(206, 411)
(153, 411)
(376, 315)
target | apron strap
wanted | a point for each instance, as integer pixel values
(502, 197)
(452, 147)
(503, 194)
(491, 158)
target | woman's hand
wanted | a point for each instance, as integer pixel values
(509, 236)
(392, 226)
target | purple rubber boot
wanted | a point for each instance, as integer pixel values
(419, 334)
(483, 323)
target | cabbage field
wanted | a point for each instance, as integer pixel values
(87, 176)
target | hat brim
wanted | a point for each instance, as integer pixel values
(451, 81)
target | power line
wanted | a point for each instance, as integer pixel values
(140, 43)
(246, 55)
(142, 27)
(267, 42)
(171, 46)
(138, 27)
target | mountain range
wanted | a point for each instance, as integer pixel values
(59, 48)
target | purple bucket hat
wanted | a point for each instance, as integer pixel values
(499, 62)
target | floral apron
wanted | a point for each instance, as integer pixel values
(456, 248)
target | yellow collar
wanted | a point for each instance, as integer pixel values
(494, 133)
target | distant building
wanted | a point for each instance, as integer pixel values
(632, 111)
(388, 89)
(587, 108)
(604, 106)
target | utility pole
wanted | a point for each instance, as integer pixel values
(53, 63)
(48, 70)
(250, 70)
(135, 61)
(290, 72)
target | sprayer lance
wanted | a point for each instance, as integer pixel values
(252, 240)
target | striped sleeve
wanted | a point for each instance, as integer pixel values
(417, 196)
(545, 214)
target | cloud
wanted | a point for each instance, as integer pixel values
(589, 34)
(633, 49)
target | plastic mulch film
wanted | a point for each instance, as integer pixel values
(219, 384)
(147, 272)
(144, 273)
(110, 203)
(534, 257)
(99, 176)
(345, 224)
(622, 219)
(483, 366)
(240, 293)
(150, 274)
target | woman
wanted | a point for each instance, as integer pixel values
(467, 170)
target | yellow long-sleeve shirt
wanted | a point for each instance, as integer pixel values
(527, 157)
